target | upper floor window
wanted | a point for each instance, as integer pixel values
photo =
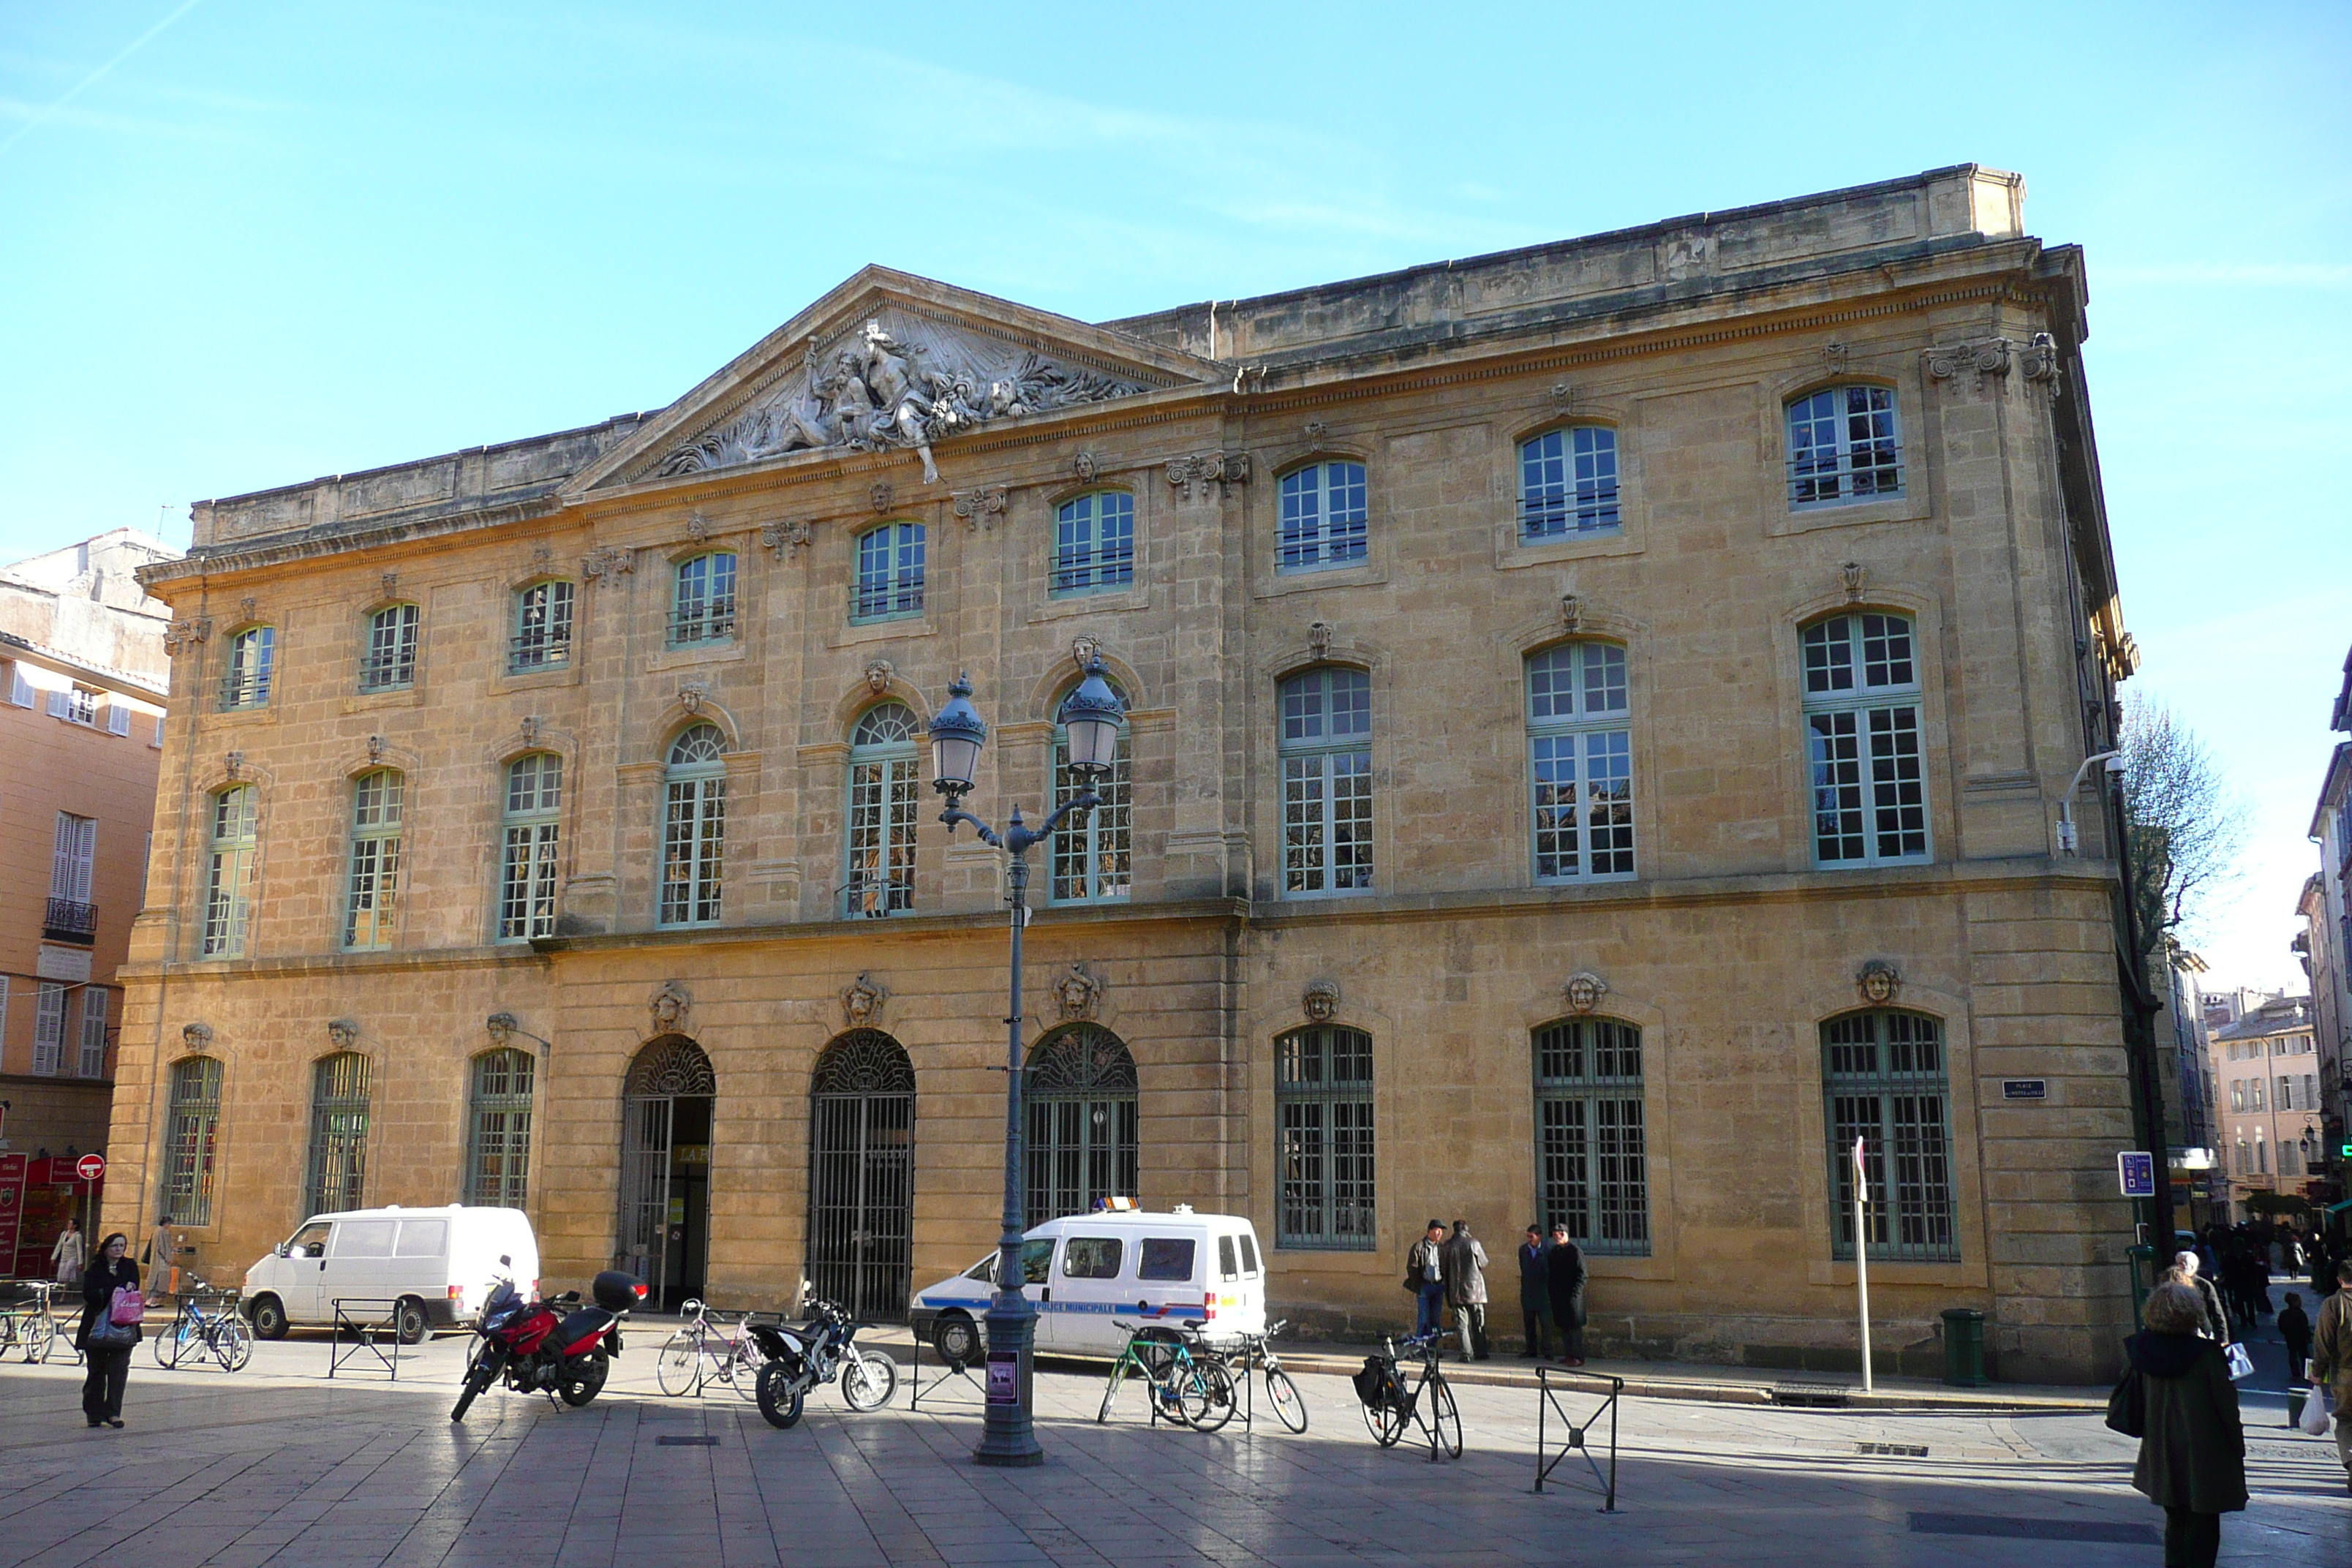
(75, 705)
(1861, 722)
(1884, 1076)
(1091, 857)
(526, 876)
(229, 879)
(49, 1028)
(391, 659)
(1327, 782)
(252, 659)
(543, 634)
(1323, 516)
(1094, 542)
(702, 606)
(93, 1062)
(1844, 446)
(1568, 483)
(1581, 761)
(889, 572)
(884, 765)
(73, 862)
(694, 827)
(1324, 1158)
(374, 890)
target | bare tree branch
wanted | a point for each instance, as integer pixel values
(2189, 823)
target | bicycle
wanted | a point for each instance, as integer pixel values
(222, 1335)
(25, 1321)
(1196, 1390)
(1390, 1405)
(1280, 1392)
(699, 1353)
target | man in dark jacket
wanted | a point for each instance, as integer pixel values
(1564, 1273)
(2192, 1448)
(1465, 1289)
(1535, 1292)
(2295, 1328)
(1424, 1274)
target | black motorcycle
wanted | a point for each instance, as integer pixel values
(800, 1358)
(556, 1347)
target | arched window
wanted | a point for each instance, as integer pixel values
(1323, 516)
(390, 661)
(861, 1174)
(1094, 542)
(889, 572)
(1568, 483)
(1843, 447)
(374, 890)
(338, 1133)
(534, 826)
(1861, 722)
(1882, 1077)
(1079, 1103)
(1327, 782)
(542, 629)
(1592, 1159)
(229, 879)
(252, 666)
(194, 1131)
(884, 761)
(498, 1151)
(1091, 857)
(1581, 761)
(694, 828)
(702, 602)
(1323, 1131)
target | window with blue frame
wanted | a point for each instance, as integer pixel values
(1581, 761)
(1323, 516)
(889, 572)
(1094, 542)
(1326, 749)
(1844, 446)
(885, 800)
(703, 607)
(1568, 483)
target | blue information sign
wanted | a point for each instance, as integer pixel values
(2135, 1169)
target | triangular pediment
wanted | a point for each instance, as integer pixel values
(890, 362)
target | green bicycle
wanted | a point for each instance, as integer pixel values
(1183, 1380)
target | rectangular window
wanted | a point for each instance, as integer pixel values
(1327, 782)
(252, 660)
(889, 572)
(49, 1030)
(374, 890)
(193, 1129)
(704, 607)
(1591, 1153)
(527, 881)
(1090, 857)
(1094, 543)
(1166, 1258)
(1568, 483)
(117, 719)
(1324, 1151)
(1092, 1256)
(390, 660)
(93, 1032)
(542, 639)
(1324, 517)
(339, 1134)
(498, 1162)
(73, 860)
(694, 837)
(1870, 801)
(1843, 447)
(884, 806)
(228, 884)
(1883, 1082)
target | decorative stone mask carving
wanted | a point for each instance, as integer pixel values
(1320, 1001)
(880, 493)
(1087, 466)
(235, 764)
(1318, 638)
(1584, 991)
(532, 726)
(1077, 993)
(1316, 429)
(391, 581)
(861, 1002)
(697, 527)
(375, 748)
(248, 607)
(343, 1034)
(1083, 650)
(877, 676)
(669, 1006)
(1835, 355)
(1563, 395)
(1853, 574)
(1879, 981)
(1571, 612)
(196, 1037)
(692, 695)
(502, 1027)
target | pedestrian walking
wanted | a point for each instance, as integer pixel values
(1465, 1289)
(105, 1342)
(1535, 1293)
(163, 1256)
(1564, 1275)
(2216, 1317)
(2295, 1328)
(2192, 1448)
(67, 1256)
(1424, 1276)
(2331, 1361)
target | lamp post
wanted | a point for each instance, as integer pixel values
(1093, 716)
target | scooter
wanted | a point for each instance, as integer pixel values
(555, 1347)
(800, 1358)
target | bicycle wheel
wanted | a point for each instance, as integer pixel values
(1110, 1390)
(679, 1363)
(741, 1371)
(1446, 1417)
(867, 1380)
(232, 1344)
(1204, 1395)
(171, 1345)
(1283, 1394)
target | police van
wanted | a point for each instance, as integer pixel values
(1086, 1274)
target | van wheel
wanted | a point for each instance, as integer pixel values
(269, 1317)
(410, 1322)
(957, 1338)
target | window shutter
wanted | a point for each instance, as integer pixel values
(159, 731)
(61, 705)
(117, 719)
(20, 690)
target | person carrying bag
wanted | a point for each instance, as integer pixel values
(112, 1312)
(2176, 1391)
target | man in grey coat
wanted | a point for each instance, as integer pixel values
(1465, 1289)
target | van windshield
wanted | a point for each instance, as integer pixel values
(1166, 1258)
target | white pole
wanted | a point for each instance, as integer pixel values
(1861, 1253)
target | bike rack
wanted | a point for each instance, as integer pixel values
(955, 1369)
(377, 1314)
(1548, 1397)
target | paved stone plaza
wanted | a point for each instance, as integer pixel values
(278, 1466)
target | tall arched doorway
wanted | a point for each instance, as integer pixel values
(665, 1220)
(861, 1175)
(1079, 1105)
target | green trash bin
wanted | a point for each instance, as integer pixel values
(1964, 1347)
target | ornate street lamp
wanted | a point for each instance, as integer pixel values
(1093, 716)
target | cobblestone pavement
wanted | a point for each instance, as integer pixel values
(274, 1464)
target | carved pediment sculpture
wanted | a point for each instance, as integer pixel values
(861, 1002)
(895, 383)
(669, 1006)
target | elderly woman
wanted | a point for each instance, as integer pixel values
(2192, 1450)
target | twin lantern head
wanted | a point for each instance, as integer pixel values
(1092, 715)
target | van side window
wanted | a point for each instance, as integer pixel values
(311, 1241)
(1166, 1258)
(364, 1237)
(983, 1269)
(1249, 1257)
(1227, 1269)
(422, 1238)
(1092, 1256)
(1037, 1262)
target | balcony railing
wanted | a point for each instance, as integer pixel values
(705, 620)
(539, 650)
(245, 690)
(875, 897)
(70, 921)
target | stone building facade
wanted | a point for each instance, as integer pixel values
(2267, 1101)
(1596, 716)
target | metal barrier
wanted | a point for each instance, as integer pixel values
(358, 1321)
(955, 1371)
(1548, 1399)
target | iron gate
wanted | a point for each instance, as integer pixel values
(861, 1175)
(663, 1072)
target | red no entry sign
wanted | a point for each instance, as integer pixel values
(90, 1167)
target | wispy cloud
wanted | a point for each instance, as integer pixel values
(51, 111)
(2240, 273)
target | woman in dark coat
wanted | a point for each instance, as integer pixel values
(2192, 1450)
(1564, 1272)
(110, 1365)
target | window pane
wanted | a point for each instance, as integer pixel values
(543, 627)
(1323, 516)
(889, 570)
(1882, 1077)
(1568, 483)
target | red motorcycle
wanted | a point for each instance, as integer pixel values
(555, 1347)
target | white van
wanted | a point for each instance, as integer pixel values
(436, 1263)
(1087, 1273)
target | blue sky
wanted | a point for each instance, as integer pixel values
(273, 241)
